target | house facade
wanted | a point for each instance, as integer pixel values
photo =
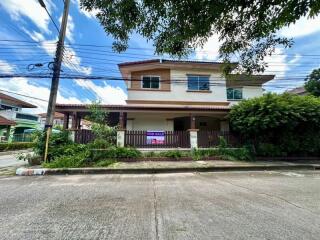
(172, 103)
(14, 120)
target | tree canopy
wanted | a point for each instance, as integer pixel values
(246, 29)
(312, 84)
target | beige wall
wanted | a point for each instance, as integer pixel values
(165, 122)
(179, 90)
(164, 75)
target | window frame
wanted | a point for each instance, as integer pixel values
(233, 98)
(151, 76)
(198, 76)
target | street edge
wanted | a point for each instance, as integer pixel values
(63, 171)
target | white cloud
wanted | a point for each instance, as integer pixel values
(25, 87)
(5, 67)
(302, 27)
(107, 93)
(30, 9)
(73, 62)
(210, 50)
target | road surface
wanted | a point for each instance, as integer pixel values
(237, 205)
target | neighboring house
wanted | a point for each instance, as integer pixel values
(13, 121)
(299, 91)
(169, 101)
(57, 120)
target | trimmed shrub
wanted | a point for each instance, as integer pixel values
(279, 125)
(16, 146)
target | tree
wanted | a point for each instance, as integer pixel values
(105, 135)
(288, 122)
(246, 28)
(312, 84)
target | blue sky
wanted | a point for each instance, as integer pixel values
(27, 21)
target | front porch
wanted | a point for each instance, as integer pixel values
(156, 127)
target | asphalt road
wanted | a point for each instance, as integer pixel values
(246, 205)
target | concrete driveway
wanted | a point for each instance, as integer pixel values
(246, 205)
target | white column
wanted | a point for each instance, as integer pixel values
(120, 138)
(193, 138)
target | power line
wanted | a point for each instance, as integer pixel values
(41, 2)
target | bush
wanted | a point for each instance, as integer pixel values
(114, 152)
(15, 146)
(57, 144)
(279, 125)
(69, 161)
(173, 154)
(105, 163)
(241, 154)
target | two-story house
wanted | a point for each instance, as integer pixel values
(170, 101)
(13, 120)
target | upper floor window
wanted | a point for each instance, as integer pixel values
(152, 82)
(198, 83)
(234, 93)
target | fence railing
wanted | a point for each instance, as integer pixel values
(168, 139)
(208, 139)
(84, 136)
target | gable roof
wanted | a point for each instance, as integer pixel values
(16, 102)
(298, 90)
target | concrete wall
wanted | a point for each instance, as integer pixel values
(165, 121)
(149, 122)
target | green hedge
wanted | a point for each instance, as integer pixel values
(15, 146)
(279, 124)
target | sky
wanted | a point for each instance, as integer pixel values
(89, 52)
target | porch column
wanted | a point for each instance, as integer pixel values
(78, 121)
(66, 121)
(121, 131)
(193, 132)
(74, 121)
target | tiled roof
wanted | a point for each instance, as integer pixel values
(61, 107)
(6, 122)
(16, 101)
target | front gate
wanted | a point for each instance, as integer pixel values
(171, 139)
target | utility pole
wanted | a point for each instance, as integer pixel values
(56, 74)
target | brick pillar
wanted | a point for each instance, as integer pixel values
(121, 131)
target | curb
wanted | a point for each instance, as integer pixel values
(62, 171)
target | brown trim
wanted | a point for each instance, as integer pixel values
(177, 102)
(199, 91)
(148, 90)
